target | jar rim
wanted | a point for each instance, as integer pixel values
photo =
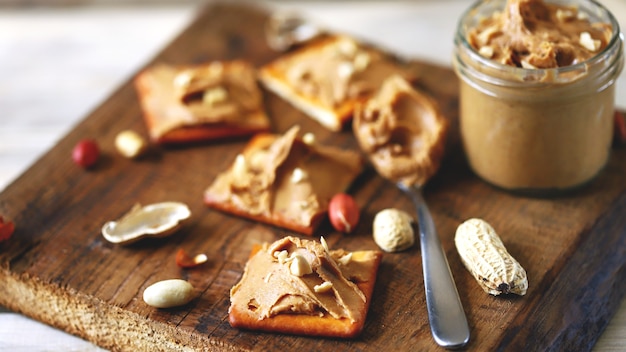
(537, 74)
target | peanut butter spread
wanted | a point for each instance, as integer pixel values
(297, 276)
(541, 123)
(340, 71)
(402, 132)
(534, 34)
(284, 179)
(218, 92)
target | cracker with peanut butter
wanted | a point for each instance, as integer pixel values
(216, 100)
(284, 180)
(299, 286)
(327, 76)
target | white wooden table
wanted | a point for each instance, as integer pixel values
(58, 64)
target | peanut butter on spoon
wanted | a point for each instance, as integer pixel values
(403, 134)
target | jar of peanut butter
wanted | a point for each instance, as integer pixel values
(537, 91)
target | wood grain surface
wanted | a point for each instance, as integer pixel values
(58, 268)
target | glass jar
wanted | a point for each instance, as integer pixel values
(537, 131)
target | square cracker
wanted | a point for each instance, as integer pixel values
(324, 172)
(328, 76)
(312, 325)
(176, 109)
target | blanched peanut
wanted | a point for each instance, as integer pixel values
(588, 42)
(323, 287)
(214, 96)
(300, 266)
(168, 293)
(308, 138)
(298, 175)
(130, 144)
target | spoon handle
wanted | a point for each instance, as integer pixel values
(448, 323)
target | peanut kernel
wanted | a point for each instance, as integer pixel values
(323, 287)
(281, 256)
(347, 47)
(300, 266)
(308, 138)
(325, 245)
(168, 293)
(486, 51)
(345, 70)
(361, 61)
(565, 15)
(345, 259)
(527, 65)
(214, 96)
(298, 175)
(130, 144)
(182, 79)
(239, 167)
(587, 41)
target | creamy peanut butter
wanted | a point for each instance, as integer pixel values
(402, 132)
(531, 145)
(340, 71)
(536, 34)
(270, 286)
(286, 179)
(536, 103)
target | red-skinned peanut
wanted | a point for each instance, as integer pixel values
(343, 213)
(86, 153)
(6, 229)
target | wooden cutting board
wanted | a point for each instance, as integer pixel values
(58, 269)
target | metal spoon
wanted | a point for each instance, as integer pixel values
(448, 323)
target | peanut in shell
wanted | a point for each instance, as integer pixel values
(486, 258)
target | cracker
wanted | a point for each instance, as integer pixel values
(362, 274)
(283, 181)
(216, 100)
(326, 77)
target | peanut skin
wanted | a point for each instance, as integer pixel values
(343, 213)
